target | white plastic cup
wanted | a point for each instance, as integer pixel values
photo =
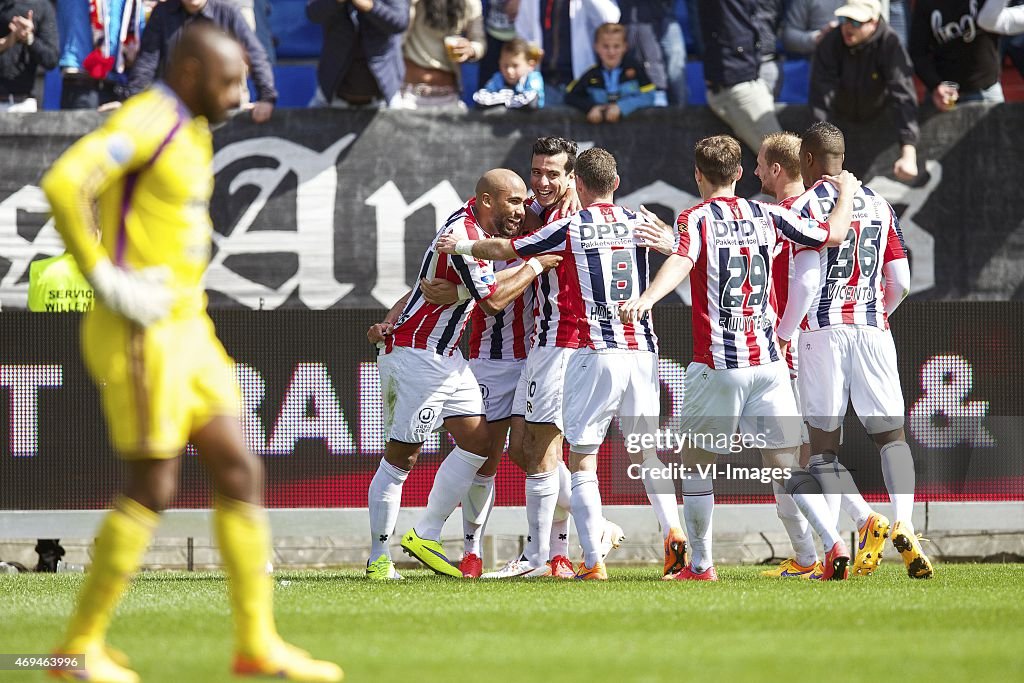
(450, 43)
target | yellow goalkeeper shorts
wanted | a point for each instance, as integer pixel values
(158, 384)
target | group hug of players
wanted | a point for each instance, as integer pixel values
(557, 283)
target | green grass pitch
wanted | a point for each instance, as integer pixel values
(965, 624)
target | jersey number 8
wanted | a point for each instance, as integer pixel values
(622, 276)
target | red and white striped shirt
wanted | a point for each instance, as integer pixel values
(851, 288)
(782, 271)
(602, 266)
(505, 335)
(423, 325)
(550, 328)
(731, 241)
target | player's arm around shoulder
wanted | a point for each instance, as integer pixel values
(456, 244)
(517, 281)
(842, 214)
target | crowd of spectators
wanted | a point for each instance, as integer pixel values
(868, 59)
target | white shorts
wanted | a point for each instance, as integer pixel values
(858, 363)
(725, 411)
(605, 383)
(421, 389)
(539, 394)
(805, 437)
(498, 380)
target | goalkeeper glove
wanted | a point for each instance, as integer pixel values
(142, 296)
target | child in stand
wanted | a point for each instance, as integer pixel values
(517, 84)
(617, 86)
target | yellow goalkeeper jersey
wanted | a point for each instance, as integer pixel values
(148, 171)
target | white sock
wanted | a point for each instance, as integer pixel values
(796, 525)
(564, 486)
(530, 551)
(898, 471)
(541, 499)
(586, 512)
(560, 522)
(564, 503)
(835, 478)
(662, 494)
(559, 533)
(806, 492)
(451, 483)
(384, 500)
(831, 486)
(476, 508)
(698, 510)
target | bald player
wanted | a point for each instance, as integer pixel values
(144, 180)
(426, 381)
(623, 378)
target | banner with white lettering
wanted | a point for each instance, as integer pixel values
(312, 410)
(332, 209)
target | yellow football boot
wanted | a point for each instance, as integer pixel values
(430, 553)
(789, 569)
(100, 664)
(595, 573)
(906, 544)
(290, 663)
(870, 543)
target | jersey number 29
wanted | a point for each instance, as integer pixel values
(740, 273)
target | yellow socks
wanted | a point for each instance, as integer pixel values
(243, 535)
(120, 544)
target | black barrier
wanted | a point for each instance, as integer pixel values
(312, 410)
(328, 209)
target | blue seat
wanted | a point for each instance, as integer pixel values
(297, 36)
(695, 94)
(296, 83)
(52, 86)
(795, 80)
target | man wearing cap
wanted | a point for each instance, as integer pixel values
(861, 71)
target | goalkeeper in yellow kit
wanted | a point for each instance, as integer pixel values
(146, 176)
